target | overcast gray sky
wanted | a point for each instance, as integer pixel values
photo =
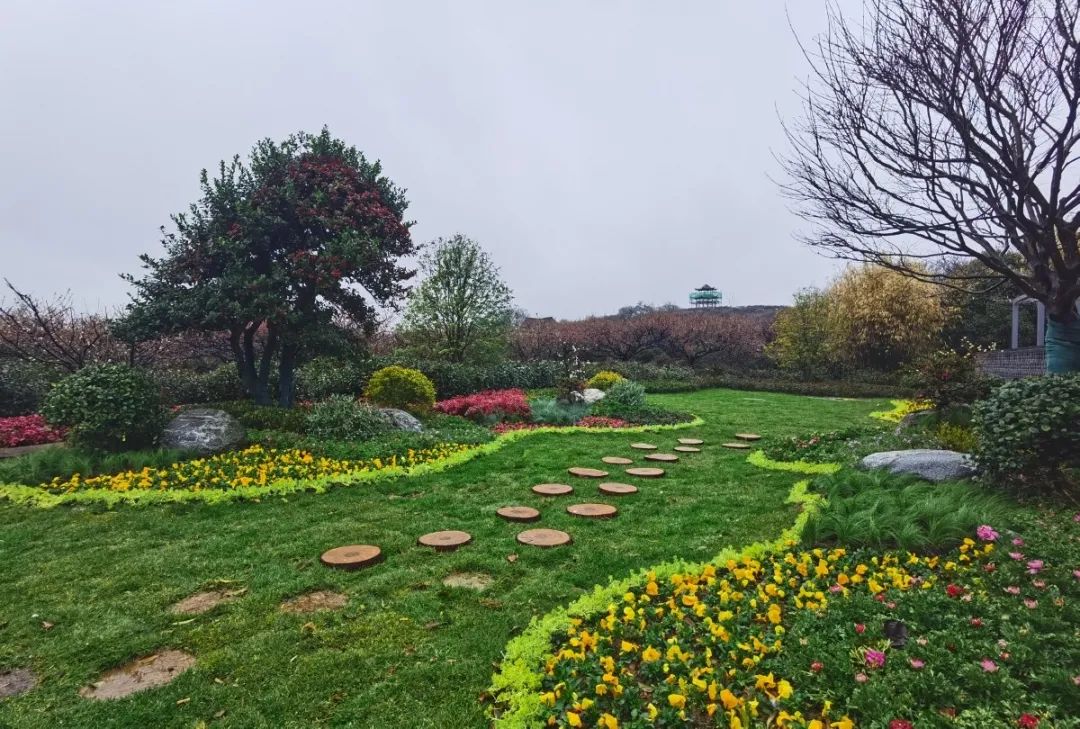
(603, 152)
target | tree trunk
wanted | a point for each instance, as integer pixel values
(262, 381)
(287, 375)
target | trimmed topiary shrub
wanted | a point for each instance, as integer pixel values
(339, 417)
(604, 380)
(110, 407)
(1029, 430)
(401, 387)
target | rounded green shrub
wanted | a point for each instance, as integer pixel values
(625, 395)
(604, 380)
(339, 417)
(109, 407)
(1029, 430)
(401, 387)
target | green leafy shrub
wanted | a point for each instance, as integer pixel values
(883, 510)
(340, 417)
(604, 379)
(551, 411)
(325, 376)
(23, 386)
(400, 387)
(1029, 430)
(949, 377)
(265, 417)
(188, 387)
(625, 394)
(111, 407)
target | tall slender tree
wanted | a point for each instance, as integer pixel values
(306, 233)
(948, 129)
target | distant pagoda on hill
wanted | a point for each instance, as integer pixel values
(706, 297)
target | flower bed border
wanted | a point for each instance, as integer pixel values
(899, 410)
(37, 497)
(516, 685)
(759, 459)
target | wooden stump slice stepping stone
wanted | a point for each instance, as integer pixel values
(662, 457)
(352, 557)
(643, 446)
(617, 460)
(645, 472)
(552, 489)
(617, 489)
(519, 513)
(544, 538)
(587, 472)
(592, 511)
(737, 446)
(686, 449)
(691, 441)
(445, 541)
(748, 436)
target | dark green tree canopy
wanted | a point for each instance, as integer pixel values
(305, 234)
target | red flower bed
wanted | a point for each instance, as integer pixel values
(500, 428)
(24, 430)
(599, 421)
(500, 404)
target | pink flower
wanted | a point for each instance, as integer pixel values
(1040, 584)
(1076, 679)
(860, 628)
(986, 533)
(875, 659)
(1076, 574)
(976, 622)
(861, 678)
(1034, 566)
(1076, 518)
(817, 666)
(917, 663)
(1027, 721)
(1018, 542)
(835, 589)
(1012, 590)
(1031, 604)
(954, 590)
(1017, 555)
(988, 665)
(989, 567)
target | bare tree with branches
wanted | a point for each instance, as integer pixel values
(937, 130)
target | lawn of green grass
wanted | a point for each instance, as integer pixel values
(406, 651)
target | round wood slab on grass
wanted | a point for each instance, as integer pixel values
(691, 441)
(617, 489)
(748, 436)
(617, 460)
(736, 446)
(552, 489)
(519, 513)
(686, 449)
(586, 472)
(543, 538)
(592, 511)
(643, 446)
(662, 457)
(645, 472)
(445, 541)
(352, 557)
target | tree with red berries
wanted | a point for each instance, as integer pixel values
(280, 252)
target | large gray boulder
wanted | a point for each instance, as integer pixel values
(401, 420)
(592, 394)
(205, 430)
(932, 465)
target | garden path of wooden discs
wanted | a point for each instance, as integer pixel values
(686, 449)
(691, 441)
(662, 457)
(352, 557)
(445, 541)
(519, 513)
(643, 446)
(617, 489)
(748, 436)
(645, 472)
(592, 511)
(736, 446)
(617, 461)
(543, 537)
(587, 472)
(552, 489)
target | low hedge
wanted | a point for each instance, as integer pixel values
(831, 388)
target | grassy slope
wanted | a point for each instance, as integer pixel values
(406, 651)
